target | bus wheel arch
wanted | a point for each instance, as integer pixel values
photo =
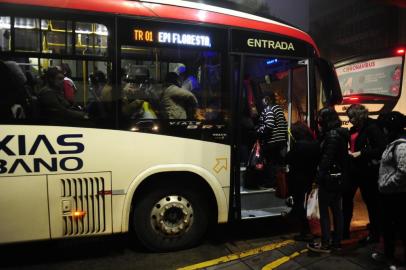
(177, 212)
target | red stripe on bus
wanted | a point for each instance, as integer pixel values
(188, 14)
(109, 6)
(105, 192)
(169, 12)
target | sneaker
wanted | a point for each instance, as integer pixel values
(368, 240)
(318, 247)
(396, 267)
(378, 257)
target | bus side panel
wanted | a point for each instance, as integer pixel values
(24, 209)
(80, 204)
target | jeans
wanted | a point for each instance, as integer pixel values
(332, 200)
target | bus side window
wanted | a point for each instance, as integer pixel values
(5, 34)
(171, 84)
(27, 34)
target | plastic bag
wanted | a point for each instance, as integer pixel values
(312, 211)
(312, 204)
(256, 160)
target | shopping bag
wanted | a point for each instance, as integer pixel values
(312, 211)
(256, 160)
(312, 204)
(281, 183)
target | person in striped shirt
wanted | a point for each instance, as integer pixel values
(272, 131)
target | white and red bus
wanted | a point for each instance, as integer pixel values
(121, 162)
(374, 80)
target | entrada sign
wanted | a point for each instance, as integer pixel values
(267, 43)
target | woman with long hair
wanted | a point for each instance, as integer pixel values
(331, 178)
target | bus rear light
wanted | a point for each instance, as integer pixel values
(351, 99)
(78, 214)
(400, 51)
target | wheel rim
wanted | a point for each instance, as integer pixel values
(172, 215)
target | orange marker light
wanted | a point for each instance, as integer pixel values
(78, 214)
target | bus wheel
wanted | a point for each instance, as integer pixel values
(170, 218)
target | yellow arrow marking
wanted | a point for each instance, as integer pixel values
(236, 256)
(220, 164)
(282, 260)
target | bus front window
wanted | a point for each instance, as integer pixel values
(374, 83)
(377, 77)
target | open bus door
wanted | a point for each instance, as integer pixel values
(254, 77)
(293, 81)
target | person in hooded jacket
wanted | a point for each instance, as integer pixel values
(392, 187)
(367, 143)
(331, 176)
(302, 159)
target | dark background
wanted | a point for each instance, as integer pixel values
(341, 28)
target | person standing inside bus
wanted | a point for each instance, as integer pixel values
(272, 130)
(331, 177)
(69, 87)
(366, 147)
(177, 102)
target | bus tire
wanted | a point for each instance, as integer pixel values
(168, 218)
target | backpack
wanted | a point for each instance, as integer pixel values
(337, 174)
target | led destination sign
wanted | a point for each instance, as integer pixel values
(171, 37)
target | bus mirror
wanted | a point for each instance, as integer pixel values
(331, 86)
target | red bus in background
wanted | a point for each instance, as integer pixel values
(374, 80)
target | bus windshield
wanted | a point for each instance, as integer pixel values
(380, 77)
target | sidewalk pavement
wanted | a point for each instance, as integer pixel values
(283, 253)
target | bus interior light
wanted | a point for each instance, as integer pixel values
(134, 129)
(272, 61)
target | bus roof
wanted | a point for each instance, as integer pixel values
(176, 9)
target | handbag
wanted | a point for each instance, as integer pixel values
(256, 161)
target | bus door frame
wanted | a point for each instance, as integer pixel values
(234, 60)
